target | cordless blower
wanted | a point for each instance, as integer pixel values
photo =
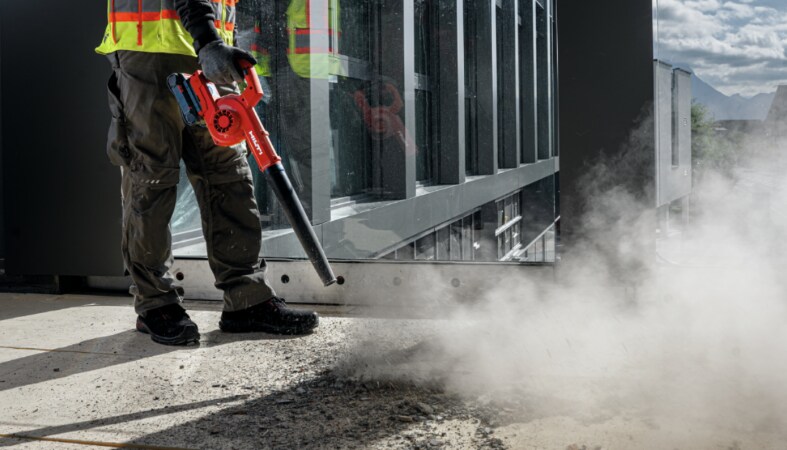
(231, 119)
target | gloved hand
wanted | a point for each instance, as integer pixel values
(221, 63)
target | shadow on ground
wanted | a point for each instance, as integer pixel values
(117, 420)
(100, 353)
(85, 356)
(323, 412)
(13, 305)
(330, 409)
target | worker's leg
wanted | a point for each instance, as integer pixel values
(222, 182)
(145, 141)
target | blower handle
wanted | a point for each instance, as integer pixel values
(253, 92)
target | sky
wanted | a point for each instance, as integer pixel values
(737, 46)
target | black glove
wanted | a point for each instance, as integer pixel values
(221, 63)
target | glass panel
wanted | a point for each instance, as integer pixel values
(353, 106)
(443, 244)
(507, 244)
(423, 95)
(468, 244)
(500, 36)
(351, 160)
(456, 241)
(538, 211)
(509, 209)
(423, 136)
(471, 104)
(550, 250)
(423, 39)
(527, 79)
(354, 39)
(425, 248)
(406, 253)
(543, 82)
(554, 131)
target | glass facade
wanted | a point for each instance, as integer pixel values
(403, 125)
(454, 241)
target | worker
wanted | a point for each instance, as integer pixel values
(145, 42)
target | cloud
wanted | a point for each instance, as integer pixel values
(726, 41)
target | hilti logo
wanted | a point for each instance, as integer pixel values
(255, 143)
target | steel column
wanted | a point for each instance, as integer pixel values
(396, 62)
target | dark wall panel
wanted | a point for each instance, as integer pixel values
(605, 52)
(2, 202)
(61, 195)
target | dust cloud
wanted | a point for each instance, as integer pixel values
(681, 331)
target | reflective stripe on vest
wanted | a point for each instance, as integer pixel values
(312, 27)
(260, 53)
(154, 26)
(263, 57)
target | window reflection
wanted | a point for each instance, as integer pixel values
(354, 107)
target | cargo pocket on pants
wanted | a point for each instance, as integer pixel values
(118, 149)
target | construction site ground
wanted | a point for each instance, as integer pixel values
(74, 374)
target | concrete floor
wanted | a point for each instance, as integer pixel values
(74, 375)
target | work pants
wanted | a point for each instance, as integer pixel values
(147, 139)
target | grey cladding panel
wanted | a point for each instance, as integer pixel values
(62, 206)
(605, 53)
(673, 133)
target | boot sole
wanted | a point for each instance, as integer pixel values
(189, 335)
(270, 329)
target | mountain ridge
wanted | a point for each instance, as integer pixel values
(728, 107)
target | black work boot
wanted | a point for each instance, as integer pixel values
(169, 325)
(272, 316)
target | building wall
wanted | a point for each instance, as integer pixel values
(673, 133)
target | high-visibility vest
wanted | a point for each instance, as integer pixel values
(260, 53)
(154, 26)
(313, 28)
